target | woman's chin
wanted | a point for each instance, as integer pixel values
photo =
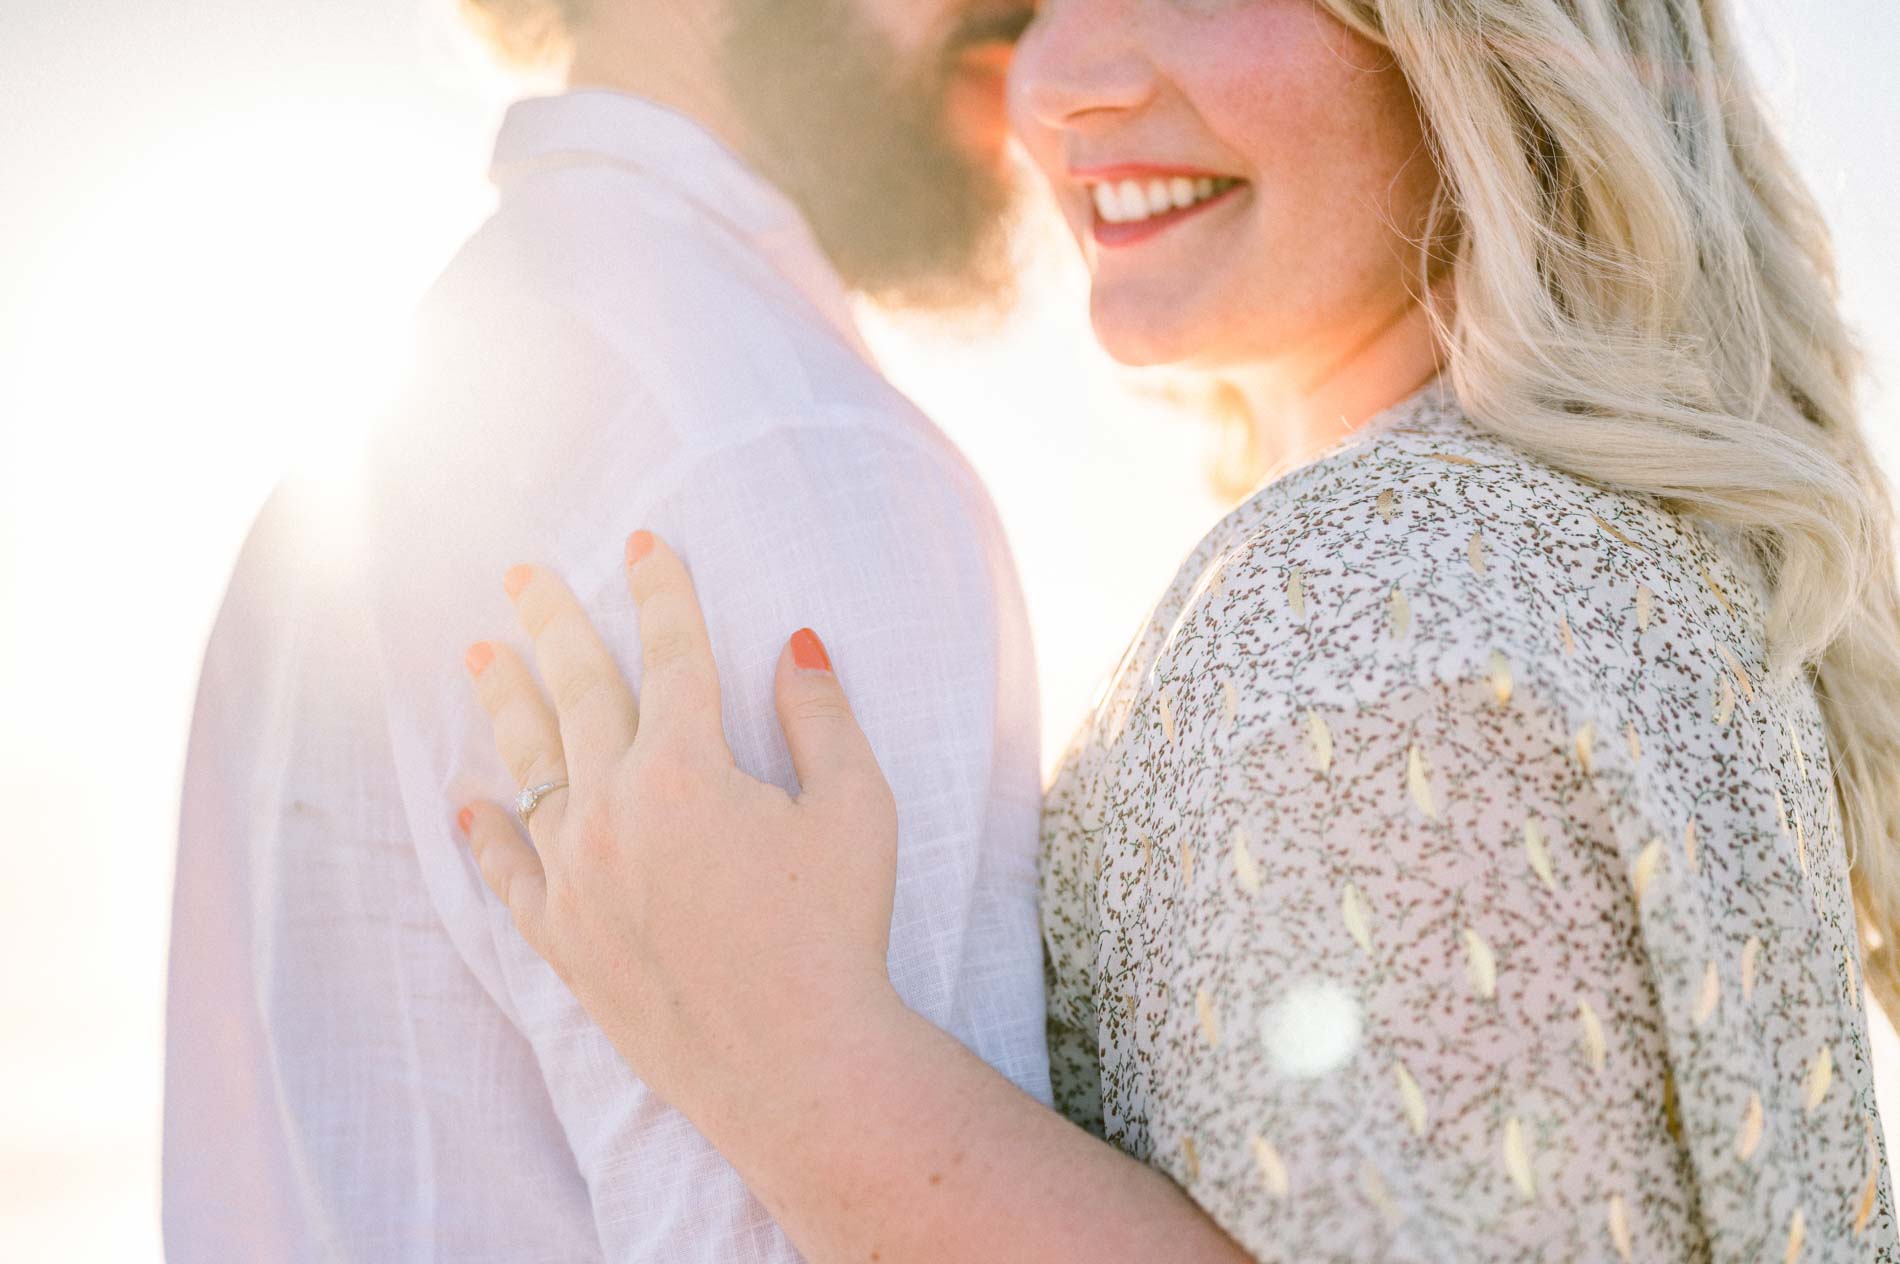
(1136, 338)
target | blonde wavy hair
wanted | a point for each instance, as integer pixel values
(1642, 292)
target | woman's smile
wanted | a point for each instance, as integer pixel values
(1134, 202)
(1269, 144)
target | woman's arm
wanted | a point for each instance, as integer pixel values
(882, 1138)
(731, 940)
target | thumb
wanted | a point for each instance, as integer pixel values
(829, 750)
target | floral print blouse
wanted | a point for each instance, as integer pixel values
(1443, 876)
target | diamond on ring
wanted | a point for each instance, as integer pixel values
(530, 799)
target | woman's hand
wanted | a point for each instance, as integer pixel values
(731, 939)
(709, 922)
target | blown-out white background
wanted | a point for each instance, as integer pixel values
(214, 217)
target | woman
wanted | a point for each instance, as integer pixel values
(1458, 865)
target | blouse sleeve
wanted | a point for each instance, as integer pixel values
(1446, 877)
(1419, 1023)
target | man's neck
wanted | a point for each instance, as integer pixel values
(668, 54)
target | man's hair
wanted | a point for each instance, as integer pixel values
(531, 34)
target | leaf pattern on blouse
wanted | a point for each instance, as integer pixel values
(1442, 876)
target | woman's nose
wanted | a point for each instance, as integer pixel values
(1080, 61)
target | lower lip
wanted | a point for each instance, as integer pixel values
(1112, 236)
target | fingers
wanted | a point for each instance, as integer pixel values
(829, 750)
(679, 691)
(593, 708)
(526, 734)
(509, 866)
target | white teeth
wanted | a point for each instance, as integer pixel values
(1130, 201)
(1134, 200)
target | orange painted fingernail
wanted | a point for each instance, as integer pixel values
(479, 656)
(639, 544)
(808, 652)
(466, 819)
(517, 579)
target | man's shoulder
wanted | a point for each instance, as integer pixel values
(596, 333)
(592, 273)
(290, 629)
(581, 367)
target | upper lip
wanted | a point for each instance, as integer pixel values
(1106, 173)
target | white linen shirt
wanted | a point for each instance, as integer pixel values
(364, 1060)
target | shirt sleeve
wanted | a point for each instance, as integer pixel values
(867, 534)
(1422, 1027)
(337, 1084)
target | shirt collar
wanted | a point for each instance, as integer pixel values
(601, 126)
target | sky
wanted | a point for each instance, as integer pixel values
(215, 217)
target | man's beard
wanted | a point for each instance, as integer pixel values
(864, 149)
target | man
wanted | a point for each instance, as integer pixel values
(364, 1060)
